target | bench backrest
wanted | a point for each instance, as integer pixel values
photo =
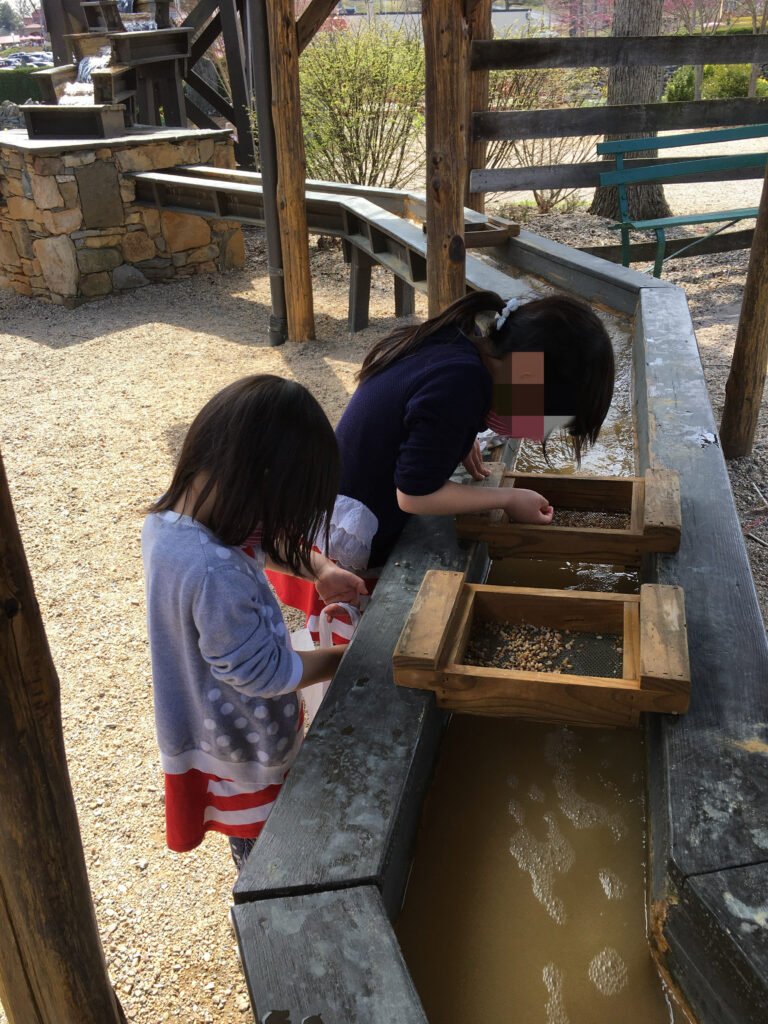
(671, 169)
(716, 135)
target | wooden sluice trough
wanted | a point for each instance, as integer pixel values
(332, 864)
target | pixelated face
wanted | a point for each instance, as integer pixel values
(518, 399)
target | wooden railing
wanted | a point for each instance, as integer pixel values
(635, 119)
(452, 56)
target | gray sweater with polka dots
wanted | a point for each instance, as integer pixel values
(224, 673)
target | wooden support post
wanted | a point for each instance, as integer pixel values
(405, 298)
(746, 380)
(291, 169)
(52, 967)
(480, 27)
(446, 55)
(360, 266)
(310, 20)
(234, 47)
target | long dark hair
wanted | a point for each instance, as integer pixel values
(578, 355)
(579, 366)
(404, 341)
(266, 450)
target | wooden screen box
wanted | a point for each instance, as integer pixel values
(612, 520)
(569, 656)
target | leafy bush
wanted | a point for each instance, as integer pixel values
(362, 97)
(681, 86)
(719, 81)
(724, 81)
(18, 86)
(541, 89)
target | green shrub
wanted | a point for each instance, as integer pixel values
(719, 82)
(18, 86)
(725, 81)
(681, 86)
(362, 98)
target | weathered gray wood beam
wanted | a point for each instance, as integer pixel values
(587, 175)
(357, 971)
(558, 52)
(708, 770)
(626, 119)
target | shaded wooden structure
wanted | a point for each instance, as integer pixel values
(334, 858)
(52, 968)
(206, 23)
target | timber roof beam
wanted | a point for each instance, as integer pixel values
(310, 20)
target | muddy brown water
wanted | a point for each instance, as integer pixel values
(526, 901)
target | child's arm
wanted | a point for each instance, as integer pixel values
(320, 664)
(520, 504)
(333, 584)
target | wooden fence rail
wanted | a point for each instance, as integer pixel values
(603, 52)
(634, 119)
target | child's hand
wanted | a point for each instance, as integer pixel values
(474, 463)
(335, 585)
(525, 506)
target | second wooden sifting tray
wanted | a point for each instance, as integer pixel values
(613, 520)
(552, 655)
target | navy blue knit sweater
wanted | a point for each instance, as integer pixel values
(410, 426)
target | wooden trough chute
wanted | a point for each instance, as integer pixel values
(52, 967)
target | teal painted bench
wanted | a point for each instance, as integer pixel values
(669, 171)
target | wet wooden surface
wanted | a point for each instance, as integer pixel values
(708, 770)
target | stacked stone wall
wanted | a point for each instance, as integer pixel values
(71, 231)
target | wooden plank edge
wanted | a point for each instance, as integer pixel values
(424, 636)
(664, 662)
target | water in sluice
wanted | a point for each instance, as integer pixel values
(526, 901)
(535, 572)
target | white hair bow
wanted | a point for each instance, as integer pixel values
(501, 318)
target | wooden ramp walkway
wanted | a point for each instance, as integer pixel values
(377, 226)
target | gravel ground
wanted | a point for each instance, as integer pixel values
(94, 403)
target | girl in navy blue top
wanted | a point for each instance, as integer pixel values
(426, 391)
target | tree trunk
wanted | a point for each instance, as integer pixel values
(634, 84)
(698, 80)
(754, 74)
